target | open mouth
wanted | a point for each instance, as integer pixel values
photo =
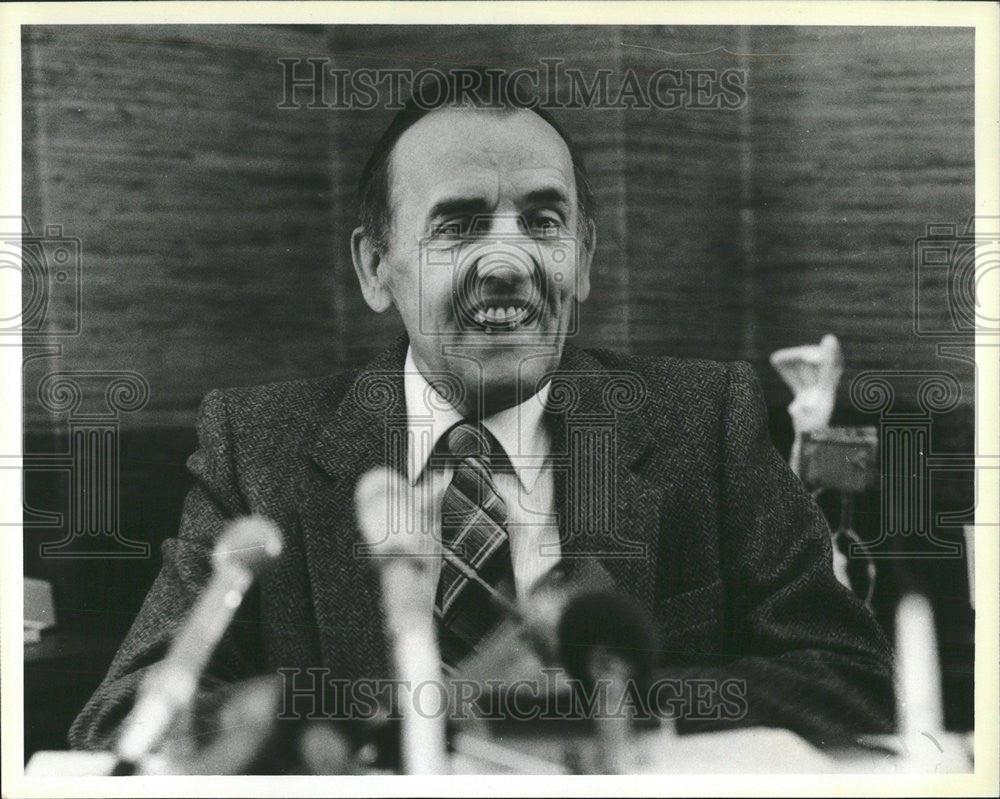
(497, 317)
(500, 292)
(497, 309)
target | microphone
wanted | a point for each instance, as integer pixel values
(607, 640)
(245, 548)
(601, 622)
(918, 672)
(397, 527)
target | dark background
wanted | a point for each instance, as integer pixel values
(214, 231)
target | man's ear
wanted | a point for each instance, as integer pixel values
(584, 258)
(366, 264)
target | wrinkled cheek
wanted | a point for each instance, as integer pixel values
(562, 307)
(435, 315)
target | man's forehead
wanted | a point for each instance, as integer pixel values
(476, 181)
(465, 150)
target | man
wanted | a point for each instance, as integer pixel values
(477, 228)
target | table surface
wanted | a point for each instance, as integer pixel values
(749, 751)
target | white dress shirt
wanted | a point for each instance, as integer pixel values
(528, 491)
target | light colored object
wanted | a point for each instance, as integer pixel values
(753, 750)
(615, 745)
(970, 561)
(840, 564)
(244, 549)
(70, 764)
(39, 608)
(923, 745)
(918, 675)
(404, 547)
(812, 372)
(478, 755)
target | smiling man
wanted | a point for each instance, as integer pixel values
(477, 228)
(485, 250)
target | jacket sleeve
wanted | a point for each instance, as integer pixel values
(213, 500)
(805, 652)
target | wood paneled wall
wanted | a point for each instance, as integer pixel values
(860, 139)
(214, 226)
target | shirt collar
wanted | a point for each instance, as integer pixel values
(520, 430)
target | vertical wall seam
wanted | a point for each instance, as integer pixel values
(747, 214)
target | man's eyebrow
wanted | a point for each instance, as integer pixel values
(472, 204)
(548, 195)
(460, 205)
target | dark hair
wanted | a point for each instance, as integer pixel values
(471, 87)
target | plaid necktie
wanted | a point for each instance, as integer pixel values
(473, 519)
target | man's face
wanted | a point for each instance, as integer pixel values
(484, 260)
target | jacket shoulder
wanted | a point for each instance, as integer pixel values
(695, 396)
(682, 379)
(253, 439)
(271, 419)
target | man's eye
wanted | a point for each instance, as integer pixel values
(545, 225)
(453, 228)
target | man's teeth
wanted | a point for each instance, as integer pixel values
(498, 315)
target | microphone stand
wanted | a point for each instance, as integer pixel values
(244, 549)
(408, 602)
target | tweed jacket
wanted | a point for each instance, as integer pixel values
(690, 509)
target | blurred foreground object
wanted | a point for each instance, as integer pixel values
(398, 531)
(924, 745)
(607, 639)
(969, 532)
(812, 372)
(918, 674)
(574, 625)
(165, 698)
(252, 733)
(39, 609)
(574, 638)
(253, 740)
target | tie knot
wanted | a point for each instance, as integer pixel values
(469, 441)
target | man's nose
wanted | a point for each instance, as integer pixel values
(501, 276)
(505, 256)
(505, 265)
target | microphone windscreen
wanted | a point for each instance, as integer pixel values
(249, 543)
(393, 518)
(372, 497)
(609, 620)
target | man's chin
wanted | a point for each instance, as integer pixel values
(510, 377)
(521, 342)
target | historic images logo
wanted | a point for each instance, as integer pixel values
(313, 83)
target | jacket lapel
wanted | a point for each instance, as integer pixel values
(607, 510)
(367, 429)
